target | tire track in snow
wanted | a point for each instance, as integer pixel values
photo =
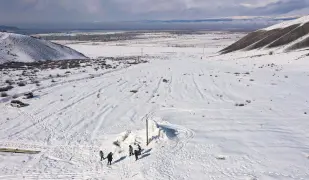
(156, 90)
(38, 121)
(94, 115)
(198, 88)
(65, 82)
(101, 118)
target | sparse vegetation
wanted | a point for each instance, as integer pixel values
(7, 88)
(15, 96)
(165, 80)
(20, 84)
(17, 103)
(240, 104)
(29, 95)
(9, 81)
(4, 94)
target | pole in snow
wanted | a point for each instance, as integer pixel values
(204, 50)
(147, 140)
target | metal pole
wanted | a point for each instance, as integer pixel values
(147, 140)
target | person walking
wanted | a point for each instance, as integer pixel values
(130, 150)
(102, 155)
(136, 153)
(109, 158)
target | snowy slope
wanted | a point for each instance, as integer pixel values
(300, 21)
(15, 47)
(279, 37)
(197, 128)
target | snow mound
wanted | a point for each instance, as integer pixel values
(22, 48)
(286, 36)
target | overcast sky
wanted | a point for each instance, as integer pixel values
(36, 11)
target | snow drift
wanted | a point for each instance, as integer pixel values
(22, 48)
(290, 35)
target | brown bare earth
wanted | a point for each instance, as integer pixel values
(272, 38)
(298, 32)
(303, 44)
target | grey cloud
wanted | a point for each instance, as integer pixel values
(32, 11)
(281, 7)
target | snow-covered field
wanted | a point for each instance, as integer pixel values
(239, 116)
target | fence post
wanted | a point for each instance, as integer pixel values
(147, 132)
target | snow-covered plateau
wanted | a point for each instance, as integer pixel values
(237, 116)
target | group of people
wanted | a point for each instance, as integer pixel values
(109, 157)
(137, 151)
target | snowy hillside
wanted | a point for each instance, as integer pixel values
(21, 48)
(286, 36)
(237, 116)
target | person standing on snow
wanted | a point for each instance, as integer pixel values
(139, 149)
(102, 155)
(136, 153)
(109, 158)
(130, 150)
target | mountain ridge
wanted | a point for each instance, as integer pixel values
(286, 36)
(22, 48)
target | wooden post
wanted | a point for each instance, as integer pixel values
(204, 50)
(147, 139)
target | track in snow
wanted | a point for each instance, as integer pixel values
(198, 107)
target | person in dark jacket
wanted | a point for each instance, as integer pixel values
(130, 150)
(109, 158)
(139, 149)
(102, 155)
(136, 153)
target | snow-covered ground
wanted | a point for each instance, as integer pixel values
(238, 116)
